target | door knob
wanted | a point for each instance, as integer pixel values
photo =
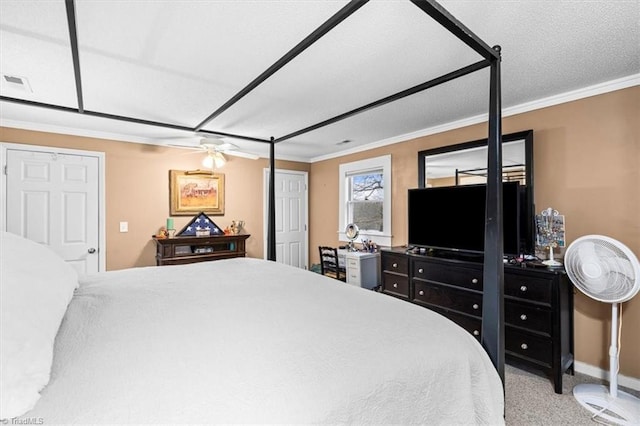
(91, 250)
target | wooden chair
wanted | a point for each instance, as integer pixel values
(330, 264)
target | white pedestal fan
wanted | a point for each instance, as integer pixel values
(606, 270)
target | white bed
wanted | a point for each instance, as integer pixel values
(231, 341)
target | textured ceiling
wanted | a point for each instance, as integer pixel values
(178, 61)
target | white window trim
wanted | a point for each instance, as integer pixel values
(383, 162)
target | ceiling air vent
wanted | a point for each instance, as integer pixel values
(16, 83)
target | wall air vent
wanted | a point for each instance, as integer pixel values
(14, 82)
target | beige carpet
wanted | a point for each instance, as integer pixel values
(530, 399)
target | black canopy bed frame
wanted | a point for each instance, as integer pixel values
(492, 307)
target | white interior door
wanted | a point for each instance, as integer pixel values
(52, 197)
(291, 201)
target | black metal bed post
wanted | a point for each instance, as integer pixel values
(493, 275)
(73, 39)
(271, 218)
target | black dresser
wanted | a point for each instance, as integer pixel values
(538, 308)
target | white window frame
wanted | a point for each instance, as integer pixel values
(356, 167)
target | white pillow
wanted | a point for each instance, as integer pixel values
(36, 286)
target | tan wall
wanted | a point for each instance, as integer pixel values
(137, 191)
(586, 165)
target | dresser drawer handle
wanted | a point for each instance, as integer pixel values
(523, 317)
(420, 270)
(524, 346)
(421, 292)
(474, 281)
(476, 333)
(395, 285)
(395, 265)
(475, 306)
(523, 288)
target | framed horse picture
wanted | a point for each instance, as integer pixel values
(191, 192)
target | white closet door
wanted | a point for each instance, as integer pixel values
(53, 199)
(291, 217)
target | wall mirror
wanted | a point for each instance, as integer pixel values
(466, 164)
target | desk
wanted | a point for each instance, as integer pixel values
(363, 268)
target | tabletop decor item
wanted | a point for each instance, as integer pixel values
(237, 226)
(550, 233)
(200, 226)
(351, 232)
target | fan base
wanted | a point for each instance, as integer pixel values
(625, 407)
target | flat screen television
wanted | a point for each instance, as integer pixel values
(453, 218)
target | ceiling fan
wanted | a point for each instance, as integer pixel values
(214, 147)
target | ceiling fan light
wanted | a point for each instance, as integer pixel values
(219, 160)
(214, 160)
(208, 161)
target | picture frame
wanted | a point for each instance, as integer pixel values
(192, 192)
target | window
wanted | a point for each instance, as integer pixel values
(365, 199)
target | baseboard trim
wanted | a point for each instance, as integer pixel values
(599, 373)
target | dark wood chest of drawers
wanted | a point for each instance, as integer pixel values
(538, 304)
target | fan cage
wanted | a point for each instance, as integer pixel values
(618, 269)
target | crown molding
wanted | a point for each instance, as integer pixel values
(594, 90)
(585, 92)
(65, 130)
(51, 128)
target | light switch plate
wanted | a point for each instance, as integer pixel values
(124, 226)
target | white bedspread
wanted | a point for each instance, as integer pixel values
(250, 341)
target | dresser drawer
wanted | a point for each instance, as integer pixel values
(353, 270)
(527, 345)
(454, 275)
(396, 284)
(448, 298)
(352, 263)
(397, 263)
(527, 287)
(472, 325)
(528, 316)
(353, 276)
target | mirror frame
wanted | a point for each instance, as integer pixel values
(526, 135)
(352, 231)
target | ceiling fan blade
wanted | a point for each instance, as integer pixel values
(226, 146)
(191, 147)
(213, 143)
(176, 138)
(242, 154)
(217, 144)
